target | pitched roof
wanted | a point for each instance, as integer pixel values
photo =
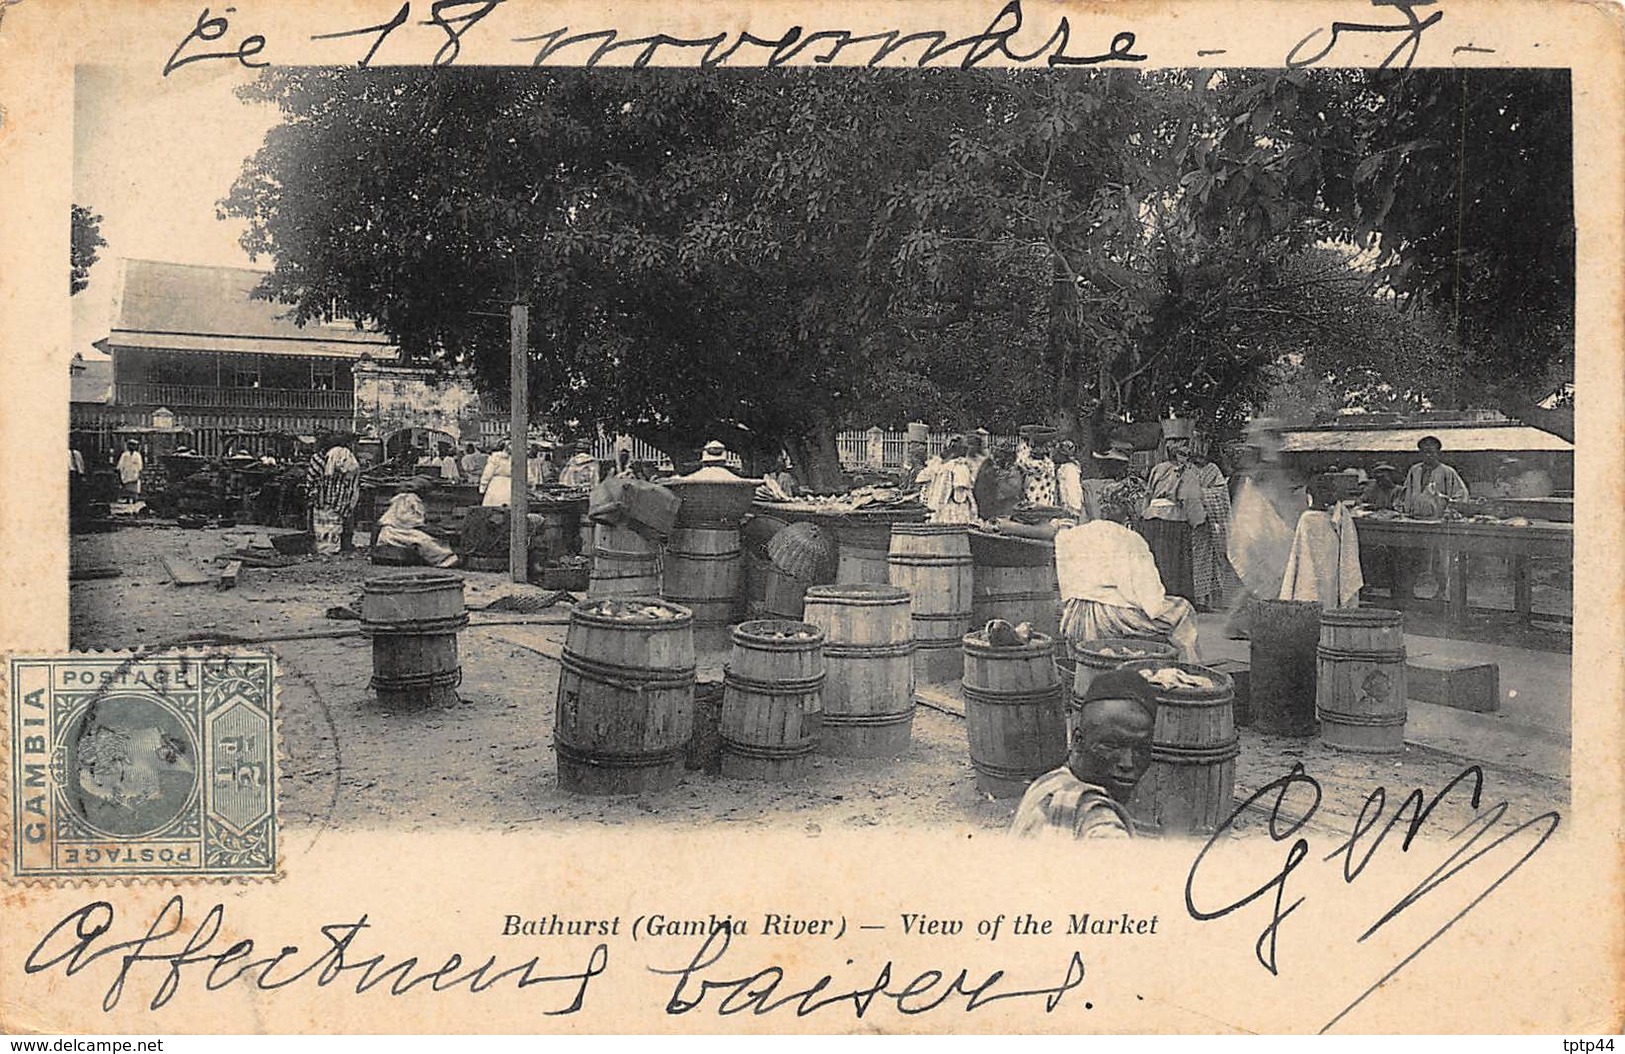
(1460, 438)
(193, 307)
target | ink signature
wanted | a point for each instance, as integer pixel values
(701, 983)
(80, 940)
(1467, 870)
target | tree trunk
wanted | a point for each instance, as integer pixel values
(816, 457)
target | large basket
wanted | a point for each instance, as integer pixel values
(807, 552)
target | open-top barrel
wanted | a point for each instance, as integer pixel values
(625, 708)
(1014, 579)
(869, 668)
(1190, 786)
(1015, 712)
(772, 703)
(702, 573)
(413, 618)
(1094, 657)
(932, 561)
(624, 563)
(1360, 689)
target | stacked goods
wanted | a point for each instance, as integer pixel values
(413, 620)
(1360, 688)
(1015, 712)
(869, 668)
(772, 704)
(932, 561)
(625, 707)
(1190, 786)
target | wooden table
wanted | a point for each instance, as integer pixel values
(1458, 539)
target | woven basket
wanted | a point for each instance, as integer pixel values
(806, 551)
(758, 531)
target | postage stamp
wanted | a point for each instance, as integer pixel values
(134, 766)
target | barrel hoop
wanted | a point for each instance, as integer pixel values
(868, 651)
(443, 679)
(925, 560)
(1340, 717)
(707, 525)
(936, 644)
(959, 618)
(1009, 772)
(1196, 755)
(869, 720)
(788, 686)
(1341, 654)
(684, 554)
(765, 752)
(422, 627)
(627, 557)
(623, 676)
(1012, 696)
(608, 759)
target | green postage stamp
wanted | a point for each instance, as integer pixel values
(143, 766)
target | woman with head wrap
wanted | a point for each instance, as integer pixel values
(333, 485)
(950, 494)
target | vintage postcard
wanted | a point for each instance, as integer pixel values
(778, 517)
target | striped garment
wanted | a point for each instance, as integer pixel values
(1210, 567)
(1059, 805)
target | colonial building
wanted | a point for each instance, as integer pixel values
(193, 344)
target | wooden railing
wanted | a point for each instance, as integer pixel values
(176, 396)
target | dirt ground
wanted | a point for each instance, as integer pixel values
(488, 760)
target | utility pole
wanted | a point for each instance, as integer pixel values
(518, 445)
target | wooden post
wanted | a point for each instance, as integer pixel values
(518, 435)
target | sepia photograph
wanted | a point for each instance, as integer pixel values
(874, 421)
(936, 519)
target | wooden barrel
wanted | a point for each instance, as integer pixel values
(864, 548)
(1284, 637)
(1360, 690)
(932, 561)
(1094, 657)
(624, 563)
(1015, 713)
(702, 573)
(625, 705)
(1190, 787)
(772, 700)
(1017, 595)
(869, 668)
(413, 618)
(555, 529)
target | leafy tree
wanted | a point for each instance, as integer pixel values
(86, 238)
(1457, 183)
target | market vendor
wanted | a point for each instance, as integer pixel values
(1174, 507)
(1431, 485)
(401, 525)
(1383, 489)
(496, 480)
(1109, 585)
(581, 471)
(1110, 731)
(950, 495)
(1037, 468)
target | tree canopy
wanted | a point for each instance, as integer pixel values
(85, 239)
(779, 253)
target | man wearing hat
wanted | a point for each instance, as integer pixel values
(1383, 489)
(401, 525)
(581, 471)
(1431, 484)
(1110, 732)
